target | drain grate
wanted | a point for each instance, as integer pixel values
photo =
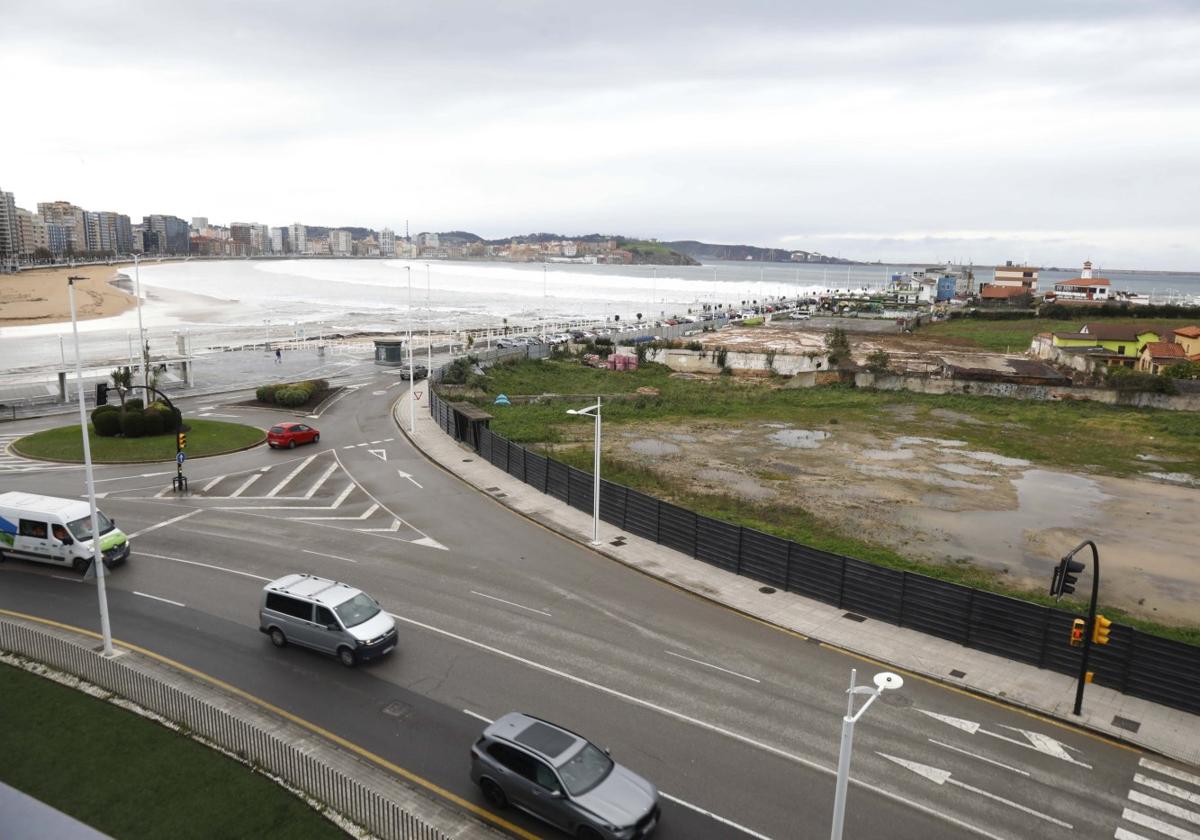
(468, 460)
(957, 674)
(397, 710)
(767, 590)
(618, 542)
(491, 489)
(854, 617)
(499, 495)
(1126, 723)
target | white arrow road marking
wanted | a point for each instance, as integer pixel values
(150, 528)
(980, 757)
(1158, 825)
(429, 542)
(1166, 807)
(409, 477)
(1167, 788)
(381, 454)
(941, 777)
(1169, 771)
(1036, 741)
(366, 515)
(958, 723)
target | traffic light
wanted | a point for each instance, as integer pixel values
(1066, 575)
(1100, 630)
(101, 393)
(1077, 632)
(180, 440)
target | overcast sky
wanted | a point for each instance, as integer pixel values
(879, 129)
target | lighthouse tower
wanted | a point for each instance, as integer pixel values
(1086, 274)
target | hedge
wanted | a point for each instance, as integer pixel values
(290, 394)
(133, 424)
(106, 423)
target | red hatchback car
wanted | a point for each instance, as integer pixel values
(289, 434)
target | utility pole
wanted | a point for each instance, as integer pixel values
(1063, 583)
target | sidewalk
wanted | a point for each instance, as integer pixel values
(1164, 730)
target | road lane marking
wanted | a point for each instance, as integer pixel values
(156, 598)
(205, 565)
(702, 724)
(255, 477)
(291, 475)
(391, 529)
(334, 556)
(710, 665)
(351, 446)
(1166, 807)
(296, 719)
(1034, 740)
(365, 515)
(210, 485)
(510, 603)
(980, 757)
(71, 579)
(1164, 787)
(941, 777)
(150, 528)
(1169, 771)
(381, 454)
(376, 442)
(430, 542)
(1122, 834)
(425, 538)
(1161, 827)
(313, 490)
(712, 816)
(965, 725)
(664, 795)
(405, 475)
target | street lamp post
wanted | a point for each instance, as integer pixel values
(883, 682)
(428, 321)
(544, 298)
(145, 353)
(412, 408)
(594, 410)
(97, 556)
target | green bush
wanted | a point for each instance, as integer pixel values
(133, 424)
(105, 409)
(272, 393)
(106, 423)
(1132, 381)
(266, 393)
(292, 396)
(155, 421)
(134, 404)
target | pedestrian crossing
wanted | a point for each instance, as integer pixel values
(11, 462)
(1164, 802)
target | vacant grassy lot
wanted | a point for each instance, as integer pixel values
(132, 778)
(206, 437)
(1015, 336)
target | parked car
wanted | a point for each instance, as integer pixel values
(327, 616)
(287, 435)
(505, 343)
(419, 372)
(562, 778)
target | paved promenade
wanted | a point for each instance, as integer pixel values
(1164, 730)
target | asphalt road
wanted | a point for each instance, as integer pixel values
(738, 723)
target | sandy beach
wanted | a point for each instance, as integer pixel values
(39, 296)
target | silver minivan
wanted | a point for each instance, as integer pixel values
(327, 616)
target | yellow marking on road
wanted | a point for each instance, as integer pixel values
(299, 721)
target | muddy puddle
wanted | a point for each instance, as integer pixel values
(799, 438)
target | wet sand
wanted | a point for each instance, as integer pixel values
(40, 296)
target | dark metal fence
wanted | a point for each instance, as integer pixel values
(1136, 663)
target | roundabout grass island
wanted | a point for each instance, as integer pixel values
(204, 437)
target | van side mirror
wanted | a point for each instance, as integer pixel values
(332, 627)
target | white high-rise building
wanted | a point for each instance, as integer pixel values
(387, 242)
(277, 240)
(340, 243)
(298, 238)
(10, 231)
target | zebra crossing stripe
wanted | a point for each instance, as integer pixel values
(1158, 825)
(1181, 775)
(1167, 788)
(1166, 807)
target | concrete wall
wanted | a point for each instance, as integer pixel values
(1046, 393)
(763, 364)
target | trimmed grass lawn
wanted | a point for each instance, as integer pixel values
(1015, 336)
(132, 778)
(205, 437)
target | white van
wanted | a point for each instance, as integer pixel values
(51, 530)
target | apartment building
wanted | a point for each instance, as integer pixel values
(298, 238)
(387, 242)
(340, 243)
(71, 218)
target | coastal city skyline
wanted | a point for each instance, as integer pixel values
(1048, 133)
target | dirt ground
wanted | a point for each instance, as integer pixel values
(935, 498)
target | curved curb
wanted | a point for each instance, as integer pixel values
(11, 448)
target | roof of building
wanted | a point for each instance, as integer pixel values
(1122, 332)
(1188, 332)
(990, 290)
(1083, 281)
(1165, 350)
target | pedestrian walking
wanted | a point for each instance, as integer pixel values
(278, 356)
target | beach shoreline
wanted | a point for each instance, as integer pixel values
(40, 296)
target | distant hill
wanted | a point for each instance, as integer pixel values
(710, 251)
(318, 232)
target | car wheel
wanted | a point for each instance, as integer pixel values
(270, 445)
(347, 657)
(277, 637)
(588, 833)
(291, 444)
(493, 794)
(317, 438)
(81, 564)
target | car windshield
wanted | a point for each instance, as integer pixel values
(358, 609)
(277, 430)
(586, 769)
(81, 529)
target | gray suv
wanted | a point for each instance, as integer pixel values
(327, 616)
(562, 778)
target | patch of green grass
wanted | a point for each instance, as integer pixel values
(1013, 336)
(205, 437)
(751, 322)
(133, 778)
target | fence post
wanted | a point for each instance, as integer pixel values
(739, 553)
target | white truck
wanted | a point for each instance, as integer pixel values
(47, 529)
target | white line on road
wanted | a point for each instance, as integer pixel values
(365, 515)
(1161, 827)
(246, 484)
(1170, 771)
(1122, 834)
(212, 484)
(1166, 807)
(664, 795)
(156, 598)
(510, 603)
(712, 816)
(1164, 787)
(403, 474)
(337, 503)
(351, 446)
(291, 475)
(150, 528)
(980, 757)
(710, 665)
(205, 565)
(64, 577)
(312, 490)
(333, 556)
(376, 442)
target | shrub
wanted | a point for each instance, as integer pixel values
(266, 393)
(133, 424)
(106, 423)
(693, 345)
(1132, 381)
(134, 404)
(105, 409)
(155, 421)
(879, 362)
(291, 397)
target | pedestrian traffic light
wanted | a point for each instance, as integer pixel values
(1100, 630)
(180, 440)
(1077, 632)
(101, 393)
(1066, 575)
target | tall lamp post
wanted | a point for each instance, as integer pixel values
(412, 407)
(145, 352)
(883, 682)
(593, 410)
(97, 556)
(428, 322)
